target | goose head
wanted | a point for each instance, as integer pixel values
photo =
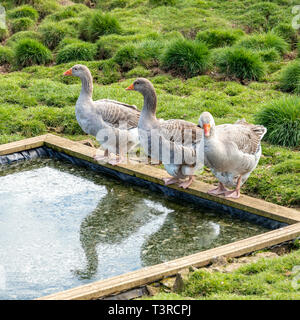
(207, 123)
(142, 85)
(146, 88)
(79, 70)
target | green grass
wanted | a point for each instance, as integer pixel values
(29, 52)
(76, 51)
(6, 56)
(22, 12)
(263, 41)
(240, 63)
(38, 98)
(289, 80)
(282, 119)
(219, 37)
(21, 24)
(186, 58)
(270, 279)
(53, 32)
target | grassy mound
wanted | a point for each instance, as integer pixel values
(25, 11)
(76, 51)
(11, 42)
(52, 33)
(126, 57)
(21, 24)
(240, 63)
(290, 77)
(29, 52)
(215, 38)
(288, 33)
(264, 41)
(96, 24)
(282, 119)
(6, 55)
(186, 58)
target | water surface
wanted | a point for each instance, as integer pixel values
(62, 226)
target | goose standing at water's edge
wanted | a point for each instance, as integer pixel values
(232, 152)
(104, 118)
(171, 141)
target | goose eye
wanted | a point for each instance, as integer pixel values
(75, 69)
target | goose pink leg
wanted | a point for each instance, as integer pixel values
(171, 180)
(102, 158)
(119, 159)
(219, 190)
(235, 194)
(187, 183)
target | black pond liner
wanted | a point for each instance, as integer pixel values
(45, 152)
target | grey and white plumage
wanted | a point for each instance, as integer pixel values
(105, 115)
(232, 151)
(166, 141)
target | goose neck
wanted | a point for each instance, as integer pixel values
(86, 85)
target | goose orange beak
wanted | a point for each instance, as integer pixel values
(131, 87)
(206, 128)
(68, 72)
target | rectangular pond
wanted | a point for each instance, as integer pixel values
(62, 226)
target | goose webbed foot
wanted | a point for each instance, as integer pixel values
(235, 194)
(172, 180)
(117, 160)
(101, 158)
(219, 190)
(185, 184)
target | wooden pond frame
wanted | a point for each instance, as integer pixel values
(143, 276)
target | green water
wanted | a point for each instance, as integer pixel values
(62, 226)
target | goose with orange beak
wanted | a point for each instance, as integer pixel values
(168, 140)
(113, 123)
(231, 151)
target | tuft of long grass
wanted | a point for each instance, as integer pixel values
(24, 11)
(126, 57)
(12, 41)
(157, 3)
(52, 33)
(263, 41)
(21, 24)
(6, 55)
(215, 38)
(240, 63)
(287, 32)
(76, 51)
(67, 12)
(282, 120)
(290, 77)
(3, 33)
(185, 57)
(29, 52)
(102, 24)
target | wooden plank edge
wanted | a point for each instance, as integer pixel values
(153, 273)
(199, 189)
(22, 145)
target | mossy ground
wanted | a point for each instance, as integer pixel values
(266, 279)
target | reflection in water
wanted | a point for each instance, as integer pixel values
(118, 217)
(72, 226)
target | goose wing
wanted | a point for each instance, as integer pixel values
(246, 136)
(117, 114)
(180, 131)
